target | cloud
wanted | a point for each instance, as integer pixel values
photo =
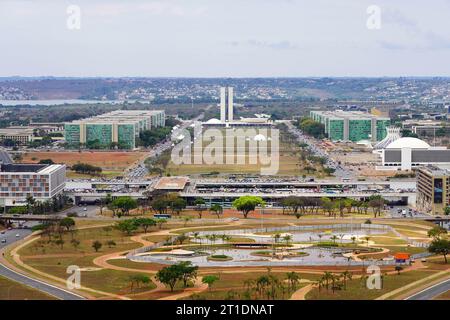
(159, 8)
(277, 45)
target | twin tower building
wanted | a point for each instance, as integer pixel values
(226, 104)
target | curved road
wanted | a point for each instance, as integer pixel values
(10, 236)
(431, 292)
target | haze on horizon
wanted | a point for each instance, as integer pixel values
(233, 38)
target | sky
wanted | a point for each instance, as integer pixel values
(224, 38)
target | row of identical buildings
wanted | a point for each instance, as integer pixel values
(117, 128)
(352, 125)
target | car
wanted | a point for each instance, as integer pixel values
(234, 219)
(3, 240)
(17, 235)
(84, 209)
(3, 232)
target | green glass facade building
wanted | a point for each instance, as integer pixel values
(352, 125)
(115, 129)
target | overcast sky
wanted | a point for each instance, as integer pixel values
(225, 38)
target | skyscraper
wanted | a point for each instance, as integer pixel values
(226, 104)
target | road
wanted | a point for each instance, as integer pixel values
(340, 170)
(139, 171)
(10, 236)
(431, 292)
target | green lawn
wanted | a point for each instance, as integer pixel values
(357, 289)
(11, 290)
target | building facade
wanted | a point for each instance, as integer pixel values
(19, 135)
(433, 189)
(410, 153)
(114, 129)
(352, 125)
(41, 181)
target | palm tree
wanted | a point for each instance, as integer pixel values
(327, 276)
(334, 238)
(367, 238)
(287, 238)
(293, 279)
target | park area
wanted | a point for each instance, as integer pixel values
(204, 259)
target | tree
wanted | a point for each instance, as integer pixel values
(67, 223)
(105, 201)
(126, 226)
(125, 204)
(159, 205)
(293, 279)
(200, 206)
(60, 242)
(398, 269)
(30, 203)
(178, 205)
(182, 238)
(247, 204)
(169, 276)
(97, 245)
(111, 243)
(75, 243)
(186, 219)
(160, 222)
(327, 205)
(217, 209)
(295, 203)
(46, 161)
(376, 202)
(138, 279)
(447, 210)
(209, 280)
(188, 271)
(440, 246)
(145, 223)
(437, 232)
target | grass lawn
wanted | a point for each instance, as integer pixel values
(443, 296)
(235, 282)
(357, 289)
(11, 290)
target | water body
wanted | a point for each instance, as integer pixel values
(13, 103)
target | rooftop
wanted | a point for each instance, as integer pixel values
(29, 168)
(339, 114)
(171, 183)
(408, 142)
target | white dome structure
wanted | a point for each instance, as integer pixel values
(259, 137)
(213, 121)
(408, 142)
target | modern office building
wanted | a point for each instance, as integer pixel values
(118, 128)
(433, 189)
(41, 181)
(409, 153)
(352, 125)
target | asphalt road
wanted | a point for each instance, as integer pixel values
(10, 236)
(431, 292)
